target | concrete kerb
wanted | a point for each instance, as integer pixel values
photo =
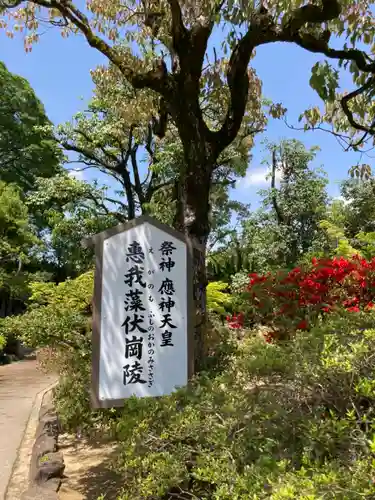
(27, 462)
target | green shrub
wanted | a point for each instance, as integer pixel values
(240, 282)
(279, 421)
(58, 315)
(218, 301)
(58, 323)
(3, 341)
(285, 421)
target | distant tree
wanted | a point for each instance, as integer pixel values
(359, 206)
(294, 209)
(287, 225)
(17, 237)
(27, 151)
(65, 211)
(350, 220)
(19, 249)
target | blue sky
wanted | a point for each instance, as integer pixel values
(59, 71)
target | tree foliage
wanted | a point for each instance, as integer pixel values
(58, 315)
(19, 248)
(288, 420)
(167, 70)
(67, 210)
(288, 224)
(173, 27)
(17, 238)
(358, 209)
(26, 150)
(116, 135)
(298, 204)
(218, 301)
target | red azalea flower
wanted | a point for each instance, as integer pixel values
(268, 337)
(236, 321)
(351, 301)
(353, 309)
(302, 325)
(349, 282)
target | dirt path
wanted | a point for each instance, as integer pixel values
(88, 469)
(19, 385)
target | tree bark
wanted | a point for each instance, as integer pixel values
(192, 219)
(279, 215)
(192, 191)
(127, 185)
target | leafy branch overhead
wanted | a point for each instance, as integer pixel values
(181, 29)
(99, 145)
(115, 135)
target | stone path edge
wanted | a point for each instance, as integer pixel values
(38, 476)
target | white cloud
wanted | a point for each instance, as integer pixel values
(341, 198)
(77, 174)
(257, 177)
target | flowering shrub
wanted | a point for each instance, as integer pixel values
(235, 321)
(281, 423)
(295, 300)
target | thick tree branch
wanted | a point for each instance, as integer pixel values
(261, 30)
(179, 32)
(137, 180)
(345, 106)
(126, 182)
(148, 145)
(88, 154)
(330, 10)
(190, 45)
(279, 215)
(320, 45)
(310, 13)
(150, 179)
(129, 146)
(153, 79)
(159, 125)
(125, 175)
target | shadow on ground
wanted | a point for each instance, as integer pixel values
(89, 468)
(100, 479)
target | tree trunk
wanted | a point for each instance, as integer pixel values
(127, 185)
(194, 182)
(192, 218)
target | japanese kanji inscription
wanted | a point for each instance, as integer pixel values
(142, 325)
